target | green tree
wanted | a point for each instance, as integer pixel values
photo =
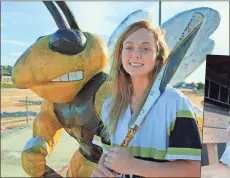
(200, 85)
(193, 85)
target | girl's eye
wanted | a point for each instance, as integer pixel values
(128, 48)
(145, 49)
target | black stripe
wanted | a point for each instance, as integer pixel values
(100, 132)
(92, 86)
(151, 159)
(146, 159)
(185, 134)
(99, 128)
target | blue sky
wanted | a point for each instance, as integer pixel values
(23, 22)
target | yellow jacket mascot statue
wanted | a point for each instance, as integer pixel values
(66, 69)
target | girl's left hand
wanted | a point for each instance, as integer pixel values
(119, 160)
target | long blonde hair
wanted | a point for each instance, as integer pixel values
(120, 79)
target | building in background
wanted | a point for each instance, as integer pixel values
(217, 84)
(6, 78)
(6, 72)
(217, 94)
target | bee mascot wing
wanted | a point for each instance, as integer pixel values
(202, 44)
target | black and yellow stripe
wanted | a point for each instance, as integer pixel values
(184, 135)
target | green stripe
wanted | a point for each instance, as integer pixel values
(104, 124)
(186, 114)
(170, 129)
(106, 147)
(184, 151)
(146, 152)
(97, 138)
(180, 114)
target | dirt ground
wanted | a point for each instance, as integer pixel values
(11, 123)
(15, 105)
(16, 92)
(197, 100)
(13, 100)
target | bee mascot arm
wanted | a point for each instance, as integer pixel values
(46, 132)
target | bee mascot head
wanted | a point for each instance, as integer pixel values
(57, 66)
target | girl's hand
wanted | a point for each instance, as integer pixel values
(102, 171)
(120, 160)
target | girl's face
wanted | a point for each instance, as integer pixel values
(139, 53)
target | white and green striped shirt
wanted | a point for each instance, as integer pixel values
(169, 131)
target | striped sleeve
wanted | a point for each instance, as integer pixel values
(184, 137)
(101, 137)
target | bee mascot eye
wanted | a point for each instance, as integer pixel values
(67, 41)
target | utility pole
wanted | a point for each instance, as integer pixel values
(27, 114)
(159, 13)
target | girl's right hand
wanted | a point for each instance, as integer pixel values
(102, 171)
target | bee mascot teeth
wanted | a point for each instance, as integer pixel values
(66, 69)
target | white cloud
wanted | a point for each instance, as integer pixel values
(93, 16)
(169, 9)
(221, 35)
(15, 54)
(10, 58)
(47, 33)
(7, 60)
(15, 42)
(154, 11)
(104, 17)
(198, 75)
(50, 32)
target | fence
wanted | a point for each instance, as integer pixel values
(19, 110)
